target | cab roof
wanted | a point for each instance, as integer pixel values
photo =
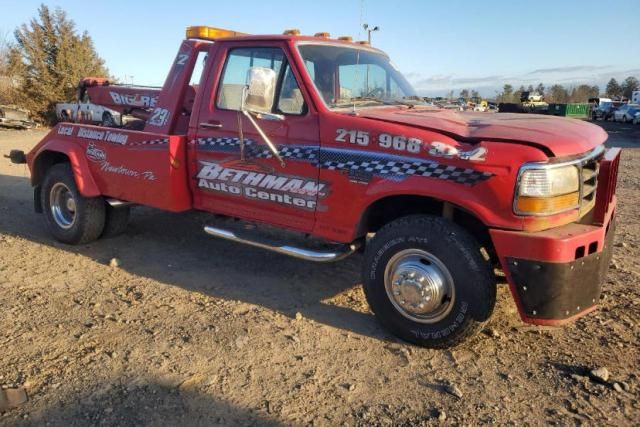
(218, 34)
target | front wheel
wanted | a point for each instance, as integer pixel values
(71, 218)
(427, 282)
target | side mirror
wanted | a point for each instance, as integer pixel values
(261, 89)
(260, 92)
(257, 98)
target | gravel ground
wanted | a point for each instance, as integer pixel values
(191, 330)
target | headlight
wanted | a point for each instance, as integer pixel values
(549, 181)
(547, 190)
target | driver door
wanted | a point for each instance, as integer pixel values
(246, 179)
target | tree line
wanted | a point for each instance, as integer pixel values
(560, 94)
(45, 62)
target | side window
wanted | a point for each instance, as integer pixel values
(194, 82)
(290, 100)
(234, 76)
(198, 68)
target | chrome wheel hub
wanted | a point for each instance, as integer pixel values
(62, 205)
(419, 286)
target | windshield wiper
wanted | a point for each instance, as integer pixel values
(407, 101)
(360, 100)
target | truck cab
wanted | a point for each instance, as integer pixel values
(324, 137)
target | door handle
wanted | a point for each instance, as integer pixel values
(211, 125)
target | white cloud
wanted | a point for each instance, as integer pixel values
(438, 85)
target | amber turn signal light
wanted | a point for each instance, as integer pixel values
(548, 205)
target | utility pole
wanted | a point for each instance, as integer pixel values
(370, 30)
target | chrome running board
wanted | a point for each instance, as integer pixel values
(341, 251)
(116, 203)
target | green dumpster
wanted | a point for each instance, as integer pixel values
(576, 111)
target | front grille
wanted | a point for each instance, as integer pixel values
(608, 177)
(589, 171)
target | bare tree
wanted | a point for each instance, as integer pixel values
(582, 93)
(7, 83)
(629, 85)
(558, 94)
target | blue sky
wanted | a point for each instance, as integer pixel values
(439, 46)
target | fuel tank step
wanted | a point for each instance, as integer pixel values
(335, 253)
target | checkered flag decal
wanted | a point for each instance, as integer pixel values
(159, 141)
(220, 143)
(366, 165)
(360, 165)
(293, 153)
(258, 151)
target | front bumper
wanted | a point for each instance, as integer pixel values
(556, 275)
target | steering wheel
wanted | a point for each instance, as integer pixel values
(376, 92)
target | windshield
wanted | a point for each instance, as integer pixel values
(346, 76)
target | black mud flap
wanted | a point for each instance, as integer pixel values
(559, 291)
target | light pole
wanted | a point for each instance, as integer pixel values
(370, 30)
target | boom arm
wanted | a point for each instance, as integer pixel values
(121, 98)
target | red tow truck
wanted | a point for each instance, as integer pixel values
(324, 138)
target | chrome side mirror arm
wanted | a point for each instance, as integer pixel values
(270, 144)
(267, 116)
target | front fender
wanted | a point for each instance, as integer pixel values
(49, 152)
(485, 199)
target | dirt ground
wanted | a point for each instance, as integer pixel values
(191, 330)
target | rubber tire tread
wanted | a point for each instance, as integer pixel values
(90, 211)
(459, 251)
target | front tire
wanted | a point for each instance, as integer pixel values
(427, 282)
(72, 218)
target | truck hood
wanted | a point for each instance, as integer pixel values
(556, 135)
